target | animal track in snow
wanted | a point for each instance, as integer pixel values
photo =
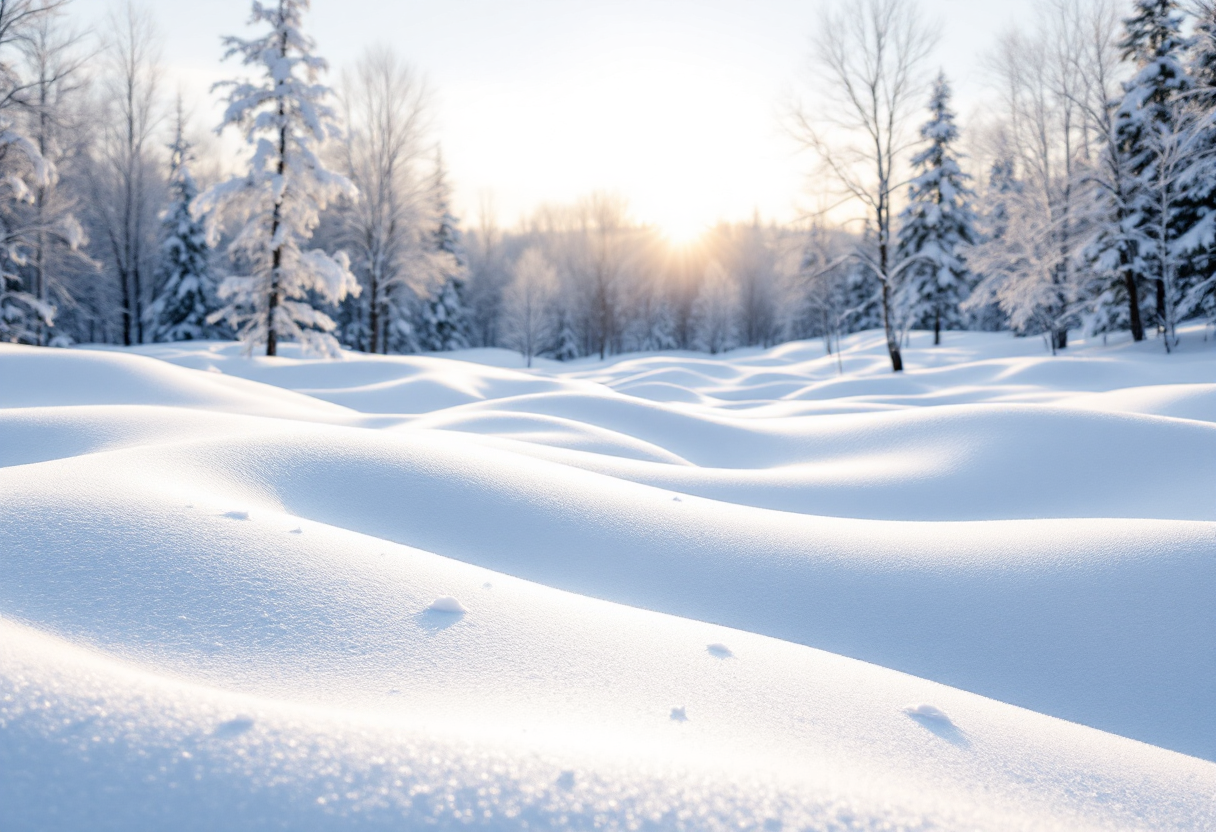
(719, 650)
(679, 714)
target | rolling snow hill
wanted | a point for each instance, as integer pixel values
(771, 589)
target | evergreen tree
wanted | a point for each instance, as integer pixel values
(1144, 123)
(1198, 244)
(937, 223)
(565, 344)
(445, 317)
(278, 202)
(188, 293)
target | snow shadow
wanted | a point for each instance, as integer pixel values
(434, 621)
(942, 728)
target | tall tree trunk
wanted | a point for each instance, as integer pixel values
(1160, 304)
(373, 311)
(897, 361)
(937, 327)
(1133, 305)
(272, 305)
(126, 308)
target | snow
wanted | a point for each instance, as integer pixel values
(446, 603)
(702, 610)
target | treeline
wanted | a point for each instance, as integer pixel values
(1093, 202)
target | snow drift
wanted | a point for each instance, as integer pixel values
(384, 592)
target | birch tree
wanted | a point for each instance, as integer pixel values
(870, 55)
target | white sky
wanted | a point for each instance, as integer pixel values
(674, 104)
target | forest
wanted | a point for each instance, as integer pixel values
(1080, 198)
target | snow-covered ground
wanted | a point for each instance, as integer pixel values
(767, 590)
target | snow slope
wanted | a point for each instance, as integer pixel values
(663, 591)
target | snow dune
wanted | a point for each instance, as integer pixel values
(661, 591)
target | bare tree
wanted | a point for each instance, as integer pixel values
(385, 105)
(125, 180)
(603, 229)
(55, 58)
(1045, 133)
(527, 302)
(871, 55)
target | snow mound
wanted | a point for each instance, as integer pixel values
(446, 603)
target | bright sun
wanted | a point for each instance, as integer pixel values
(683, 231)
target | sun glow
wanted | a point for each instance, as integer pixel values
(682, 232)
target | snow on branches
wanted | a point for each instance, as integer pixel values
(277, 203)
(937, 224)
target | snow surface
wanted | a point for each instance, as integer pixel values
(660, 591)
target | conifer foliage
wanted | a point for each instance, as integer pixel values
(445, 317)
(188, 293)
(937, 224)
(277, 203)
(1198, 245)
(1146, 133)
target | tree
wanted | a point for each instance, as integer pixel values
(871, 54)
(824, 277)
(386, 115)
(938, 223)
(1197, 245)
(445, 318)
(277, 203)
(1032, 271)
(713, 312)
(444, 325)
(527, 301)
(53, 59)
(125, 187)
(188, 292)
(1143, 124)
(1111, 255)
(26, 311)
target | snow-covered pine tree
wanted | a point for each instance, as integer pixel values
(445, 317)
(1146, 117)
(284, 117)
(1197, 273)
(565, 343)
(444, 324)
(937, 224)
(188, 291)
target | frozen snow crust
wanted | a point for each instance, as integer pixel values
(662, 591)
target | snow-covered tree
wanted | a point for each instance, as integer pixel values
(713, 312)
(565, 343)
(388, 226)
(188, 291)
(444, 322)
(527, 301)
(1197, 245)
(1145, 123)
(25, 173)
(1021, 266)
(276, 204)
(937, 224)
